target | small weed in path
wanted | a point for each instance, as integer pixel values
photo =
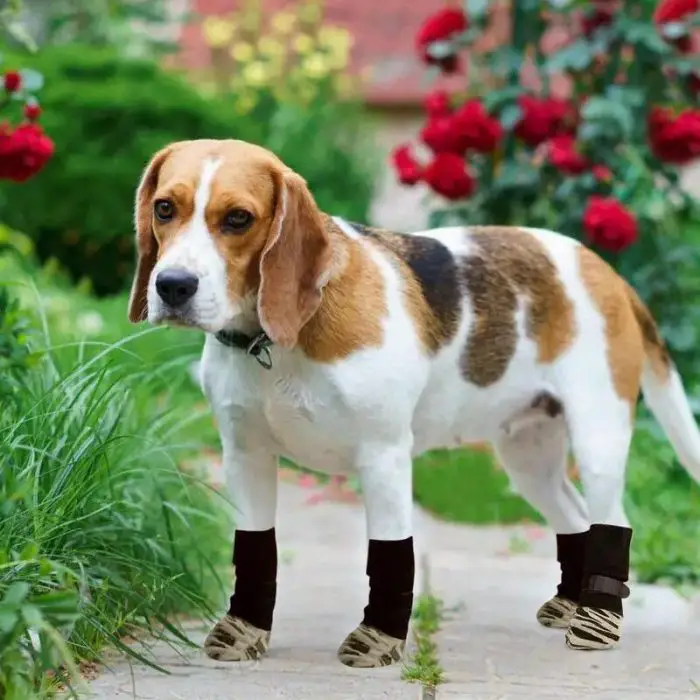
(424, 667)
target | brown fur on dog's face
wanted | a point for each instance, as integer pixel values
(280, 258)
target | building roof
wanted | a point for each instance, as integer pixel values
(384, 42)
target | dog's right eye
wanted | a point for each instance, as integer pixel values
(164, 210)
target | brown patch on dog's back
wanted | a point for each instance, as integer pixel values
(623, 332)
(353, 307)
(508, 263)
(431, 287)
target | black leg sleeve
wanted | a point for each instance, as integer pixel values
(607, 567)
(391, 571)
(571, 554)
(255, 590)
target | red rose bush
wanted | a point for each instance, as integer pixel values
(586, 138)
(597, 160)
(24, 148)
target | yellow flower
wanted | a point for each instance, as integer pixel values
(269, 46)
(242, 52)
(331, 36)
(283, 22)
(256, 74)
(338, 56)
(217, 31)
(316, 65)
(303, 43)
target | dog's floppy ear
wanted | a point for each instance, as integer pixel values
(146, 245)
(294, 261)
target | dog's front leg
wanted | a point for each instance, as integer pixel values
(386, 478)
(244, 633)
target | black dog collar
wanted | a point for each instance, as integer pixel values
(256, 345)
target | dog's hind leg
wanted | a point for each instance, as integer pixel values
(535, 458)
(601, 436)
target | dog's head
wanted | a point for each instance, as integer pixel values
(226, 235)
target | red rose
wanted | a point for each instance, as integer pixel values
(12, 81)
(562, 154)
(674, 139)
(23, 152)
(437, 103)
(408, 168)
(32, 111)
(441, 26)
(447, 174)
(543, 118)
(476, 127)
(676, 11)
(443, 135)
(595, 19)
(470, 126)
(608, 224)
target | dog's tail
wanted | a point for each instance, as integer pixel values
(664, 393)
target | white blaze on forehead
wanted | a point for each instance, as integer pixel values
(194, 249)
(203, 192)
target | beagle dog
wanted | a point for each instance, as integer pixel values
(351, 349)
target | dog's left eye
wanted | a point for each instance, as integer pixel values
(237, 220)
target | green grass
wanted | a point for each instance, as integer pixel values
(663, 505)
(464, 486)
(424, 665)
(104, 530)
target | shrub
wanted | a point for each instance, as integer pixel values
(585, 139)
(108, 114)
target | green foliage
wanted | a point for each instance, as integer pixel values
(33, 611)
(663, 505)
(327, 144)
(15, 355)
(107, 23)
(108, 115)
(465, 486)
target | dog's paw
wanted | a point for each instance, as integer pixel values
(557, 612)
(234, 639)
(593, 629)
(367, 647)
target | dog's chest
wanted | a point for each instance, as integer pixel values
(304, 417)
(310, 427)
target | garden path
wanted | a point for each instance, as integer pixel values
(491, 581)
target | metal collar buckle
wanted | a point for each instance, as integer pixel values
(259, 348)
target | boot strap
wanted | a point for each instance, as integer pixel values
(605, 584)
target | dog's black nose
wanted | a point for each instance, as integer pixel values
(175, 287)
